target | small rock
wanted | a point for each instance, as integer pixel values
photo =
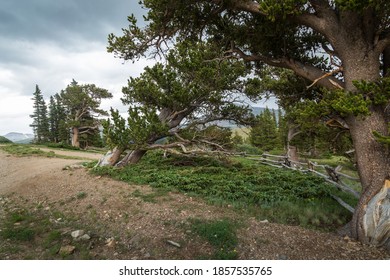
(173, 243)
(347, 239)
(264, 222)
(77, 233)
(66, 250)
(85, 237)
(110, 242)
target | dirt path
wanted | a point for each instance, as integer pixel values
(141, 220)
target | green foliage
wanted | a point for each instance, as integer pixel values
(40, 123)
(221, 234)
(81, 195)
(57, 117)
(4, 140)
(264, 132)
(381, 138)
(62, 145)
(349, 103)
(145, 126)
(180, 99)
(81, 104)
(248, 149)
(16, 227)
(18, 234)
(25, 150)
(241, 183)
(34, 229)
(237, 139)
(276, 9)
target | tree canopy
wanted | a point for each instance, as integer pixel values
(40, 123)
(82, 108)
(179, 99)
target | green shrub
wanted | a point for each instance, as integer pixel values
(248, 149)
(277, 195)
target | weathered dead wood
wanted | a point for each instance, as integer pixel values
(376, 221)
(347, 176)
(268, 155)
(339, 186)
(343, 203)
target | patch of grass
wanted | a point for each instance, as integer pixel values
(81, 195)
(220, 234)
(29, 150)
(18, 234)
(62, 145)
(36, 234)
(282, 196)
(150, 197)
(23, 150)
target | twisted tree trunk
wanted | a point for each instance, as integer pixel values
(111, 157)
(132, 157)
(371, 220)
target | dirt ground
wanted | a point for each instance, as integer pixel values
(124, 224)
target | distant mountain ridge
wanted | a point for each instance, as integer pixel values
(18, 137)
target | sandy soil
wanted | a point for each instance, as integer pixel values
(141, 227)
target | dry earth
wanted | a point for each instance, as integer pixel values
(125, 225)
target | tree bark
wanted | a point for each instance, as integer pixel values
(132, 157)
(373, 162)
(111, 157)
(75, 137)
(372, 157)
(292, 151)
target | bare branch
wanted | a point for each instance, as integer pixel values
(343, 203)
(326, 75)
(313, 73)
(306, 71)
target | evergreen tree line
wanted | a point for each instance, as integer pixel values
(271, 128)
(71, 116)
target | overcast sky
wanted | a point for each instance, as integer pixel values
(51, 42)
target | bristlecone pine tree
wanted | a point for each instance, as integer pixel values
(178, 101)
(340, 45)
(81, 104)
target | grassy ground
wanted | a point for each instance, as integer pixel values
(247, 192)
(39, 232)
(281, 196)
(29, 150)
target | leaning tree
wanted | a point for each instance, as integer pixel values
(178, 102)
(340, 45)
